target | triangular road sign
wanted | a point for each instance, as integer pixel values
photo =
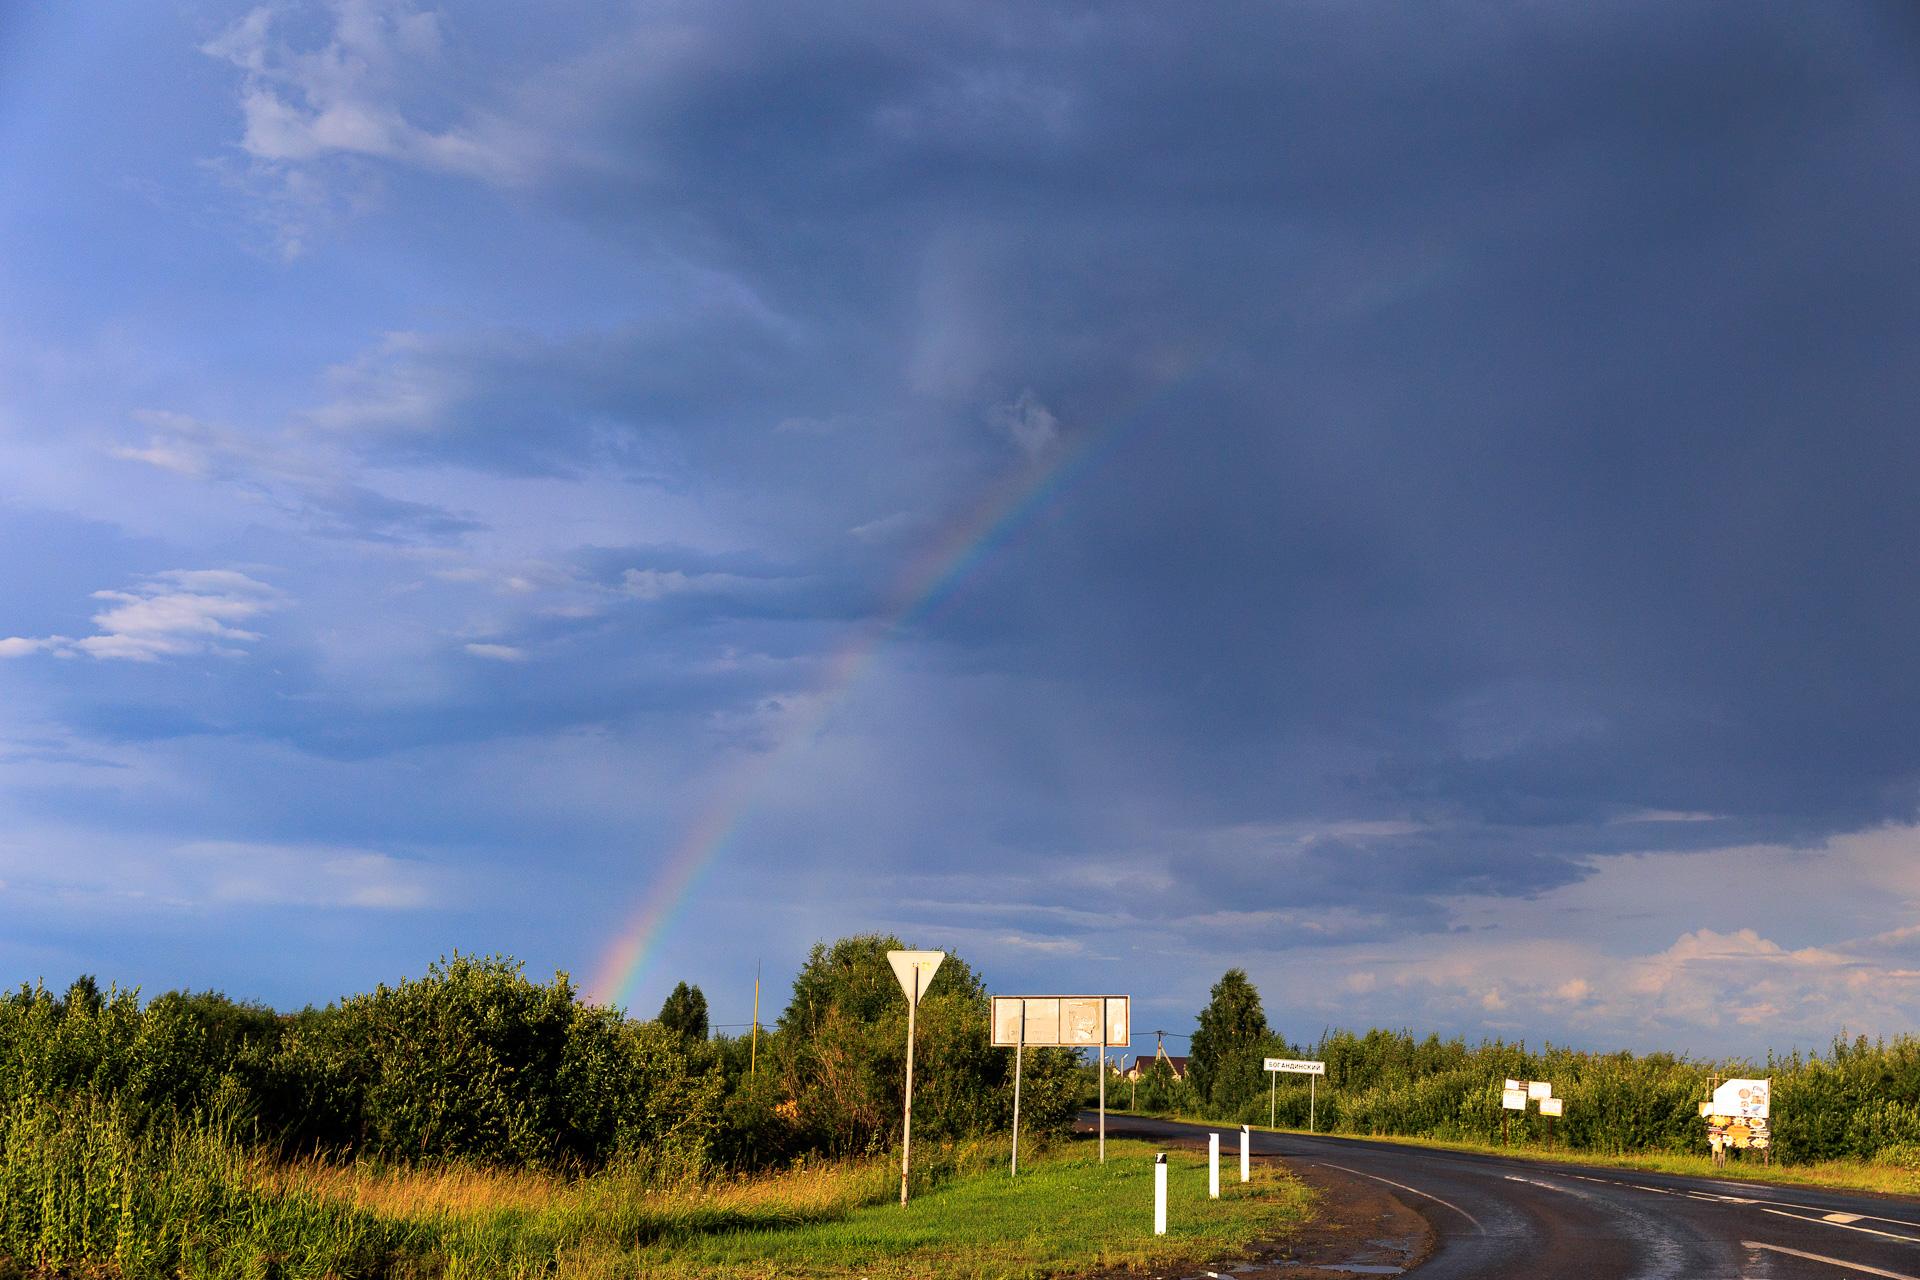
(907, 963)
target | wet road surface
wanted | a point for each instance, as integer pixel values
(1496, 1217)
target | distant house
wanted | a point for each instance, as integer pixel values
(1143, 1063)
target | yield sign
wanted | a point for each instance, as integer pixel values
(915, 970)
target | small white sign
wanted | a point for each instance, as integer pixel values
(915, 970)
(1514, 1099)
(1538, 1089)
(1297, 1066)
(1511, 1084)
(1550, 1106)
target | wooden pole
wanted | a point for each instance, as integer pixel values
(753, 1048)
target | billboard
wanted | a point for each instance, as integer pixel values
(1072, 1022)
(1742, 1099)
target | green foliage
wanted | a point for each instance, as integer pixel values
(1224, 1066)
(841, 1055)
(685, 1012)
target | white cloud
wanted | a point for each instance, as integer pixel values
(179, 613)
(498, 652)
(1027, 422)
(232, 872)
(344, 100)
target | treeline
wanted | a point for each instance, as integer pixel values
(1858, 1101)
(477, 1062)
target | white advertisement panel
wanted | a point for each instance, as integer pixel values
(1075, 1022)
(1744, 1099)
(1514, 1099)
(1551, 1106)
(1538, 1089)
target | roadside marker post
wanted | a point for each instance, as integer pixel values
(1160, 1194)
(914, 969)
(1311, 1068)
(1213, 1166)
(1246, 1171)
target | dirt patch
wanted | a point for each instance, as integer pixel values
(1359, 1228)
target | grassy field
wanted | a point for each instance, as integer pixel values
(200, 1208)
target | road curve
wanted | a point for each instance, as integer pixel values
(1502, 1218)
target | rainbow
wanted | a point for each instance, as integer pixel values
(927, 582)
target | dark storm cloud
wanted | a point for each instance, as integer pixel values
(1499, 424)
(1540, 448)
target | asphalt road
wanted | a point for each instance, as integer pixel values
(1498, 1217)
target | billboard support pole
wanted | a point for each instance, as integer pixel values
(1019, 1051)
(1103, 1086)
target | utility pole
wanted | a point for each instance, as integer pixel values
(753, 1047)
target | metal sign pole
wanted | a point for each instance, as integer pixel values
(906, 1121)
(1273, 1091)
(1313, 1097)
(1019, 1052)
(1103, 1098)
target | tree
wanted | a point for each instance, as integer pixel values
(685, 1013)
(1223, 1067)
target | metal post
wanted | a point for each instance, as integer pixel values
(1246, 1171)
(1273, 1090)
(753, 1050)
(1019, 1051)
(1213, 1166)
(1103, 1100)
(906, 1120)
(1160, 1194)
(1313, 1092)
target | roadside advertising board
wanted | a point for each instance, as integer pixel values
(1073, 1022)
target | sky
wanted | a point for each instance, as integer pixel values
(1411, 501)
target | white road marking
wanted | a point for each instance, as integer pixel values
(1860, 1267)
(1866, 1231)
(1535, 1182)
(1416, 1191)
(1835, 1219)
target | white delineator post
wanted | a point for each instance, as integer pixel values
(1213, 1166)
(1160, 1194)
(1246, 1170)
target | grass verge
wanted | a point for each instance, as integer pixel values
(79, 1196)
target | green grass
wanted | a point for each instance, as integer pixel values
(1065, 1214)
(82, 1195)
